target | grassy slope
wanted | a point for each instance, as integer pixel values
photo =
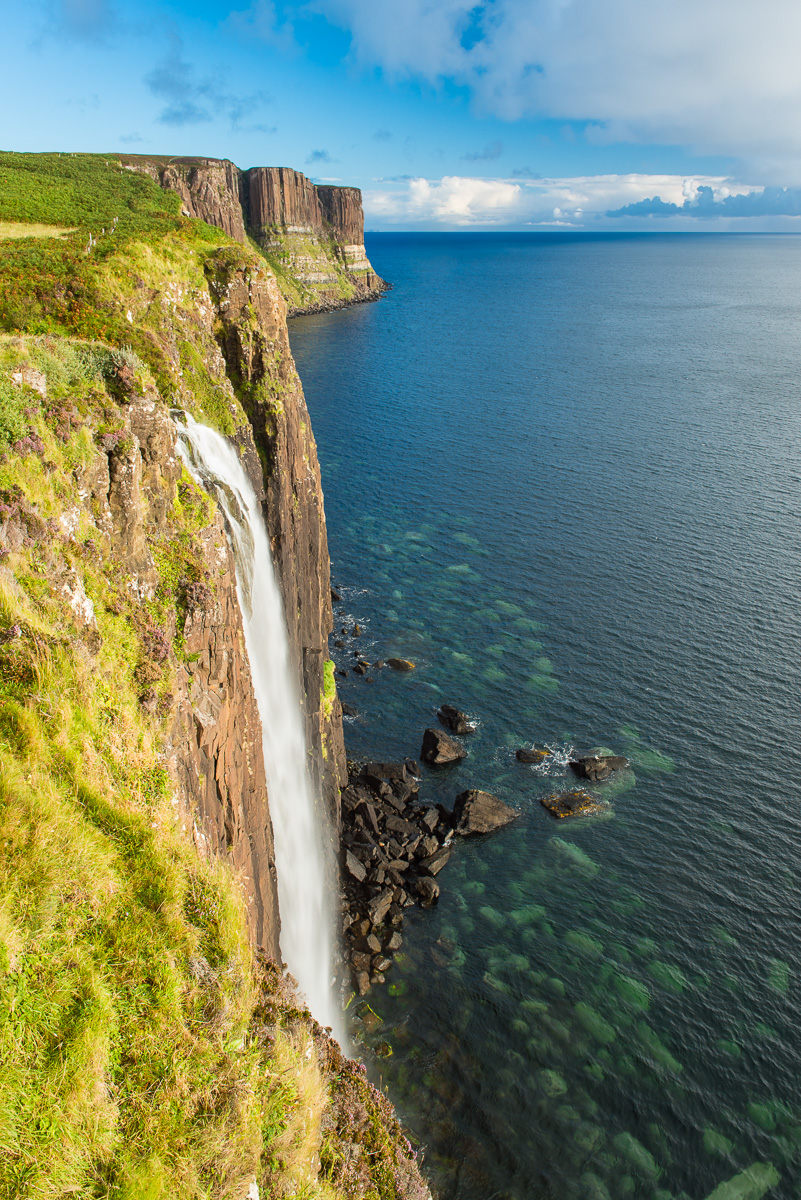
(143, 1051)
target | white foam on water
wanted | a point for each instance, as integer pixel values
(307, 919)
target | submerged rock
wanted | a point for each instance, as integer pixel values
(750, 1184)
(454, 719)
(438, 748)
(596, 767)
(428, 891)
(480, 812)
(571, 804)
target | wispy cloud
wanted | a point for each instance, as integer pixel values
(491, 151)
(191, 99)
(319, 156)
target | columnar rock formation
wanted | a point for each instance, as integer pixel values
(316, 232)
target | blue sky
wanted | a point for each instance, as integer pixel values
(625, 114)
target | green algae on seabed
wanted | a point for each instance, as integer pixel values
(657, 1049)
(593, 1188)
(632, 992)
(645, 756)
(640, 1158)
(717, 1143)
(573, 857)
(728, 1047)
(596, 1025)
(779, 976)
(672, 979)
(750, 1184)
(763, 1116)
(551, 1083)
(585, 944)
(543, 683)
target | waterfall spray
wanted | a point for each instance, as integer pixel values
(306, 917)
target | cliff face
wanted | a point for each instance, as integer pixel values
(314, 234)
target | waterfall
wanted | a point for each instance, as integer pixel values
(306, 918)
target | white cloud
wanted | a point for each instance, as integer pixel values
(719, 76)
(461, 202)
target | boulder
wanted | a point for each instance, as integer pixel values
(378, 907)
(428, 891)
(400, 664)
(386, 770)
(438, 748)
(525, 755)
(454, 719)
(354, 867)
(436, 861)
(480, 812)
(571, 804)
(335, 596)
(597, 767)
(348, 710)
(362, 983)
(413, 767)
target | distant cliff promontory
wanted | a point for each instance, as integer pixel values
(312, 234)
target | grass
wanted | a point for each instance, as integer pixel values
(15, 229)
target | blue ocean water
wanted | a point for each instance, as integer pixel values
(562, 474)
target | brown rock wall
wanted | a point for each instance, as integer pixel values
(253, 335)
(281, 198)
(342, 209)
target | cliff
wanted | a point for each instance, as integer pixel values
(313, 235)
(155, 1049)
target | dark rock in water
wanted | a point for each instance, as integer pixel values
(412, 766)
(438, 748)
(596, 767)
(455, 720)
(428, 891)
(335, 596)
(571, 804)
(360, 669)
(339, 643)
(377, 977)
(348, 710)
(357, 630)
(480, 812)
(381, 963)
(341, 674)
(525, 755)
(400, 664)
(354, 867)
(436, 861)
(379, 663)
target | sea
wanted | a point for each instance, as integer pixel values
(562, 475)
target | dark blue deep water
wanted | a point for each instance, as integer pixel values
(563, 475)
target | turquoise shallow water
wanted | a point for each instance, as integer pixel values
(562, 474)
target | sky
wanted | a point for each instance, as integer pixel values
(506, 114)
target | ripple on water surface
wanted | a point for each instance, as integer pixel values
(576, 508)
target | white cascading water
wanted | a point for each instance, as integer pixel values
(306, 917)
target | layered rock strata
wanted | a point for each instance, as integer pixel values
(314, 233)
